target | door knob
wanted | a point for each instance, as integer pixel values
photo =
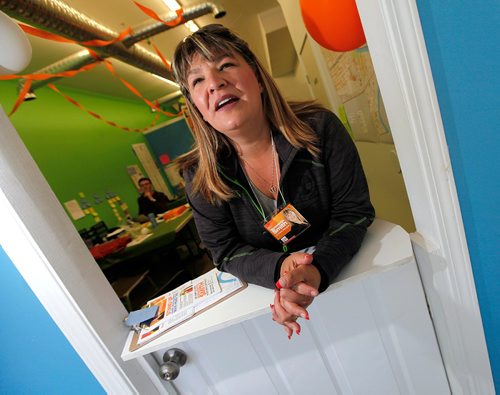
(173, 360)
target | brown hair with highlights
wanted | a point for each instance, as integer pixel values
(210, 42)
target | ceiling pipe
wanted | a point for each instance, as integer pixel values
(57, 17)
(159, 27)
(168, 97)
(71, 62)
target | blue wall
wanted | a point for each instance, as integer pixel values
(462, 42)
(35, 357)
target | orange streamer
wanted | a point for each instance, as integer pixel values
(38, 77)
(132, 89)
(149, 12)
(165, 61)
(20, 98)
(43, 34)
(46, 76)
(91, 43)
(97, 116)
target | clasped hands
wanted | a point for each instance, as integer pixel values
(295, 291)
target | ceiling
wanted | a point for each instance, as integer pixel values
(241, 17)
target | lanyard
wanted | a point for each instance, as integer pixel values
(257, 205)
(275, 172)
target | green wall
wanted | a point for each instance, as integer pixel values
(78, 153)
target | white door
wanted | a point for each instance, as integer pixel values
(369, 333)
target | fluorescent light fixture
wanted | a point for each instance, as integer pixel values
(174, 6)
(166, 80)
(193, 27)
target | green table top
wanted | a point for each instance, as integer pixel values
(163, 236)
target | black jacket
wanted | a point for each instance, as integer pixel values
(330, 192)
(147, 206)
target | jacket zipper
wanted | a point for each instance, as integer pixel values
(259, 210)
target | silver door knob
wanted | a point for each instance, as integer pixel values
(173, 360)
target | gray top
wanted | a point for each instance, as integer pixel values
(269, 205)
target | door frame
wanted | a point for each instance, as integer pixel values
(43, 244)
(46, 249)
(397, 48)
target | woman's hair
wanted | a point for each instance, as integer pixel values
(299, 219)
(209, 42)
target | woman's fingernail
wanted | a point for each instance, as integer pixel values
(289, 337)
(278, 284)
(271, 306)
(306, 316)
(297, 332)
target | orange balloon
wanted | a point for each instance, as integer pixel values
(333, 24)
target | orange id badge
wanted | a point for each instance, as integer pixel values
(286, 224)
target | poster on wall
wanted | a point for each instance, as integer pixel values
(147, 161)
(135, 174)
(354, 79)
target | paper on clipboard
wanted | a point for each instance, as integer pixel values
(185, 302)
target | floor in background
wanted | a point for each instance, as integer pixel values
(201, 265)
(166, 281)
(170, 272)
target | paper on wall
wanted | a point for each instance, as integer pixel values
(74, 209)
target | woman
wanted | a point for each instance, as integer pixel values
(255, 154)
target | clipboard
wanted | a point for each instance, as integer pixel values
(217, 299)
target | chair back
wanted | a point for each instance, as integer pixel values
(87, 236)
(99, 232)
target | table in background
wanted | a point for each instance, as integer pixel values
(156, 255)
(163, 237)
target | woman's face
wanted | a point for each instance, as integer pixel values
(291, 216)
(226, 92)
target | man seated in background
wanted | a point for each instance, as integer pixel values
(151, 201)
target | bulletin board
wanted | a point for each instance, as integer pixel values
(169, 140)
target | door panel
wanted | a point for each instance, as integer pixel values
(371, 335)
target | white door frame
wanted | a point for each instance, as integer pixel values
(399, 56)
(41, 241)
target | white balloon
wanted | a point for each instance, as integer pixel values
(15, 48)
